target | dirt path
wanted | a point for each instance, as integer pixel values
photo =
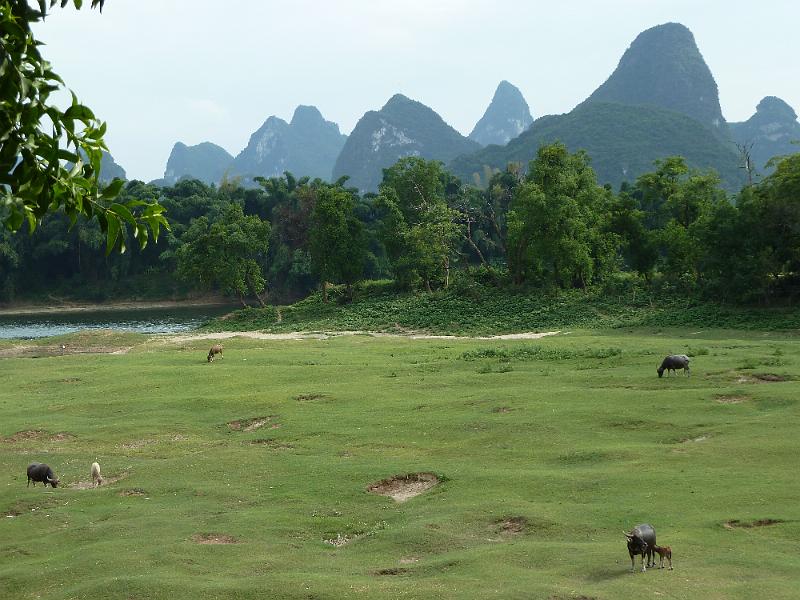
(316, 335)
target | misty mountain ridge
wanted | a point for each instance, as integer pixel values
(772, 131)
(308, 145)
(663, 67)
(205, 161)
(507, 116)
(402, 127)
(661, 100)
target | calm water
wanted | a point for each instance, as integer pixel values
(144, 320)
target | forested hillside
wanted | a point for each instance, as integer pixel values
(552, 226)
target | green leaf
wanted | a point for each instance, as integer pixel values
(112, 190)
(112, 232)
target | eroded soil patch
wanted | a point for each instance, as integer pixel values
(340, 540)
(214, 538)
(404, 487)
(271, 443)
(737, 524)
(392, 571)
(511, 525)
(85, 485)
(310, 397)
(251, 424)
(762, 378)
(501, 409)
(731, 398)
(136, 444)
(37, 435)
(133, 492)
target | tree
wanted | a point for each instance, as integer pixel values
(50, 159)
(228, 254)
(337, 244)
(559, 222)
(419, 230)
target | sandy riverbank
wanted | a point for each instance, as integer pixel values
(80, 307)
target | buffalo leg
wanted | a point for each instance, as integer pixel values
(633, 565)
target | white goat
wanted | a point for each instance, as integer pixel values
(96, 477)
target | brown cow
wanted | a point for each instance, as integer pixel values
(664, 552)
(215, 349)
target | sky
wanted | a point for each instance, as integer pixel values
(162, 71)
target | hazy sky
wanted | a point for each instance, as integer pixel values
(161, 71)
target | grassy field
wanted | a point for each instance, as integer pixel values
(545, 450)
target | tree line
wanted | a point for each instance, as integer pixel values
(548, 226)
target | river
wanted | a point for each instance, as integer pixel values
(142, 320)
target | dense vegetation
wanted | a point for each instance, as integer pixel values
(673, 232)
(546, 450)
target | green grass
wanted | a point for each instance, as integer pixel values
(572, 436)
(473, 309)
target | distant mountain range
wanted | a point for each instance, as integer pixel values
(403, 127)
(661, 100)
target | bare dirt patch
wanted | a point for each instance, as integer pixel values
(762, 378)
(133, 492)
(271, 443)
(310, 397)
(87, 485)
(737, 524)
(38, 435)
(409, 560)
(511, 525)
(250, 424)
(136, 444)
(392, 571)
(699, 438)
(501, 409)
(404, 487)
(45, 351)
(732, 398)
(340, 540)
(214, 538)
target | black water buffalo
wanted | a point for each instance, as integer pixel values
(673, 362)
(642, 541)
(41, 472)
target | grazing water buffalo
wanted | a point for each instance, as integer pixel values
(41, 472)
(642, 541)
(673, 362)
(215, 349)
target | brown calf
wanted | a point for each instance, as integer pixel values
(215, 349)
(664, 552)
